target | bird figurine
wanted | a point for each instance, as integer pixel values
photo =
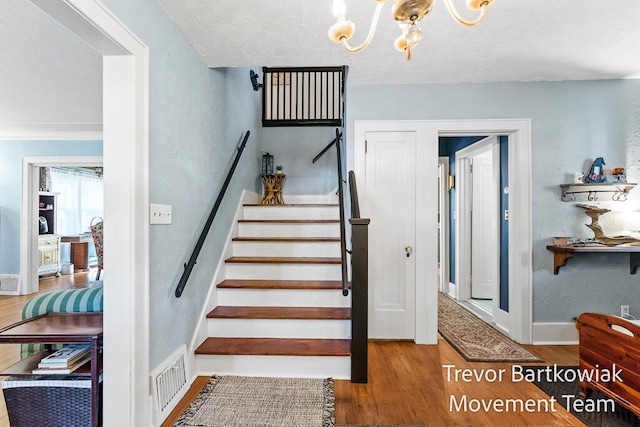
(596, 174)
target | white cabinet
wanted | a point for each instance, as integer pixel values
(48, 254)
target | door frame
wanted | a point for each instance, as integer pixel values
(29, 218)
(126, 195)
(426, 300)
(518, 132)
(463, 224)
(520, 215)
(443, 201)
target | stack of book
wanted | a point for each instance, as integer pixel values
(64, 361)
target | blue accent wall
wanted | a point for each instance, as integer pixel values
(504, 224)
(11, 155)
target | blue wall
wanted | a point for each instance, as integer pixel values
(196, 119)
(504, 224)
(11, 154)
(573, 122)
(294, 148)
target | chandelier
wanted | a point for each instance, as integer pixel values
(408, 13)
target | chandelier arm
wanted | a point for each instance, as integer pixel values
(372, 30)
(454, 13)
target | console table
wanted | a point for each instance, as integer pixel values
(563, 253)
(59, 328)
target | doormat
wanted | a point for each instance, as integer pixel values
(620, 417)
(475, 340)
(232, 401)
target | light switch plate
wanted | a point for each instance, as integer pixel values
(160, 214)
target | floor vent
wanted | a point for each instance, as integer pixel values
(9, 282)
(170, 382)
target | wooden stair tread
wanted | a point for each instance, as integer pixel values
(279, 284)
(271, 312)
(290, 221)
(275, 347)
(287, 239)
(282, 260)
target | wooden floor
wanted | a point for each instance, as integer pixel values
(407, 382)
(11, 311)
(408, 386)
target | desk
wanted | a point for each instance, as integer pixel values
(272, 184)
(62, 328)
(563, 253)
(79, 250)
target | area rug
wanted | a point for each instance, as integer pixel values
(475, 340)
(621, 417)
(231, 401)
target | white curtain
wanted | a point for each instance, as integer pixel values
(80, 199)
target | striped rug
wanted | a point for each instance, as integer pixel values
(231, 401)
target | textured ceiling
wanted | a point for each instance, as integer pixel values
(48, 75)
(517, 41)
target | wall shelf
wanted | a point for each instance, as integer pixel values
(563, 253)
(593, 192)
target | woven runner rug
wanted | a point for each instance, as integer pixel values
(475, 340)
(231, 401)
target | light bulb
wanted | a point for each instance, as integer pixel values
(414, 34)
(339, 9)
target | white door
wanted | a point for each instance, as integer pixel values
(484, 227)
(390, 193)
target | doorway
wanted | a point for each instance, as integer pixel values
(126, 196)
(411, 170)
(30, 189)
(519, 246)
(477, 229)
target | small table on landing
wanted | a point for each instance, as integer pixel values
(272, 183)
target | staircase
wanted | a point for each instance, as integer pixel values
(280, 310)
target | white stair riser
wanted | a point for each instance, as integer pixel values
(337, 367)
(291, 212)
(283, 271)
(283, 298)
(261, 229)
(279, 328)
(287, 249)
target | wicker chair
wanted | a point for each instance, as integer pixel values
(96, 232)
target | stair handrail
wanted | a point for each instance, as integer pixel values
(325, 149)
(188, 267)
(343, 224)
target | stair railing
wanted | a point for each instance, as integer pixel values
(188, 267)
(359, 287)
(343, 233)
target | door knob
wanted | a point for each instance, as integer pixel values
(408, 250)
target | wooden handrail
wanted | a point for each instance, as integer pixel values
(188, 267)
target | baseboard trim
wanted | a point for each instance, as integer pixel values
(555, 333)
